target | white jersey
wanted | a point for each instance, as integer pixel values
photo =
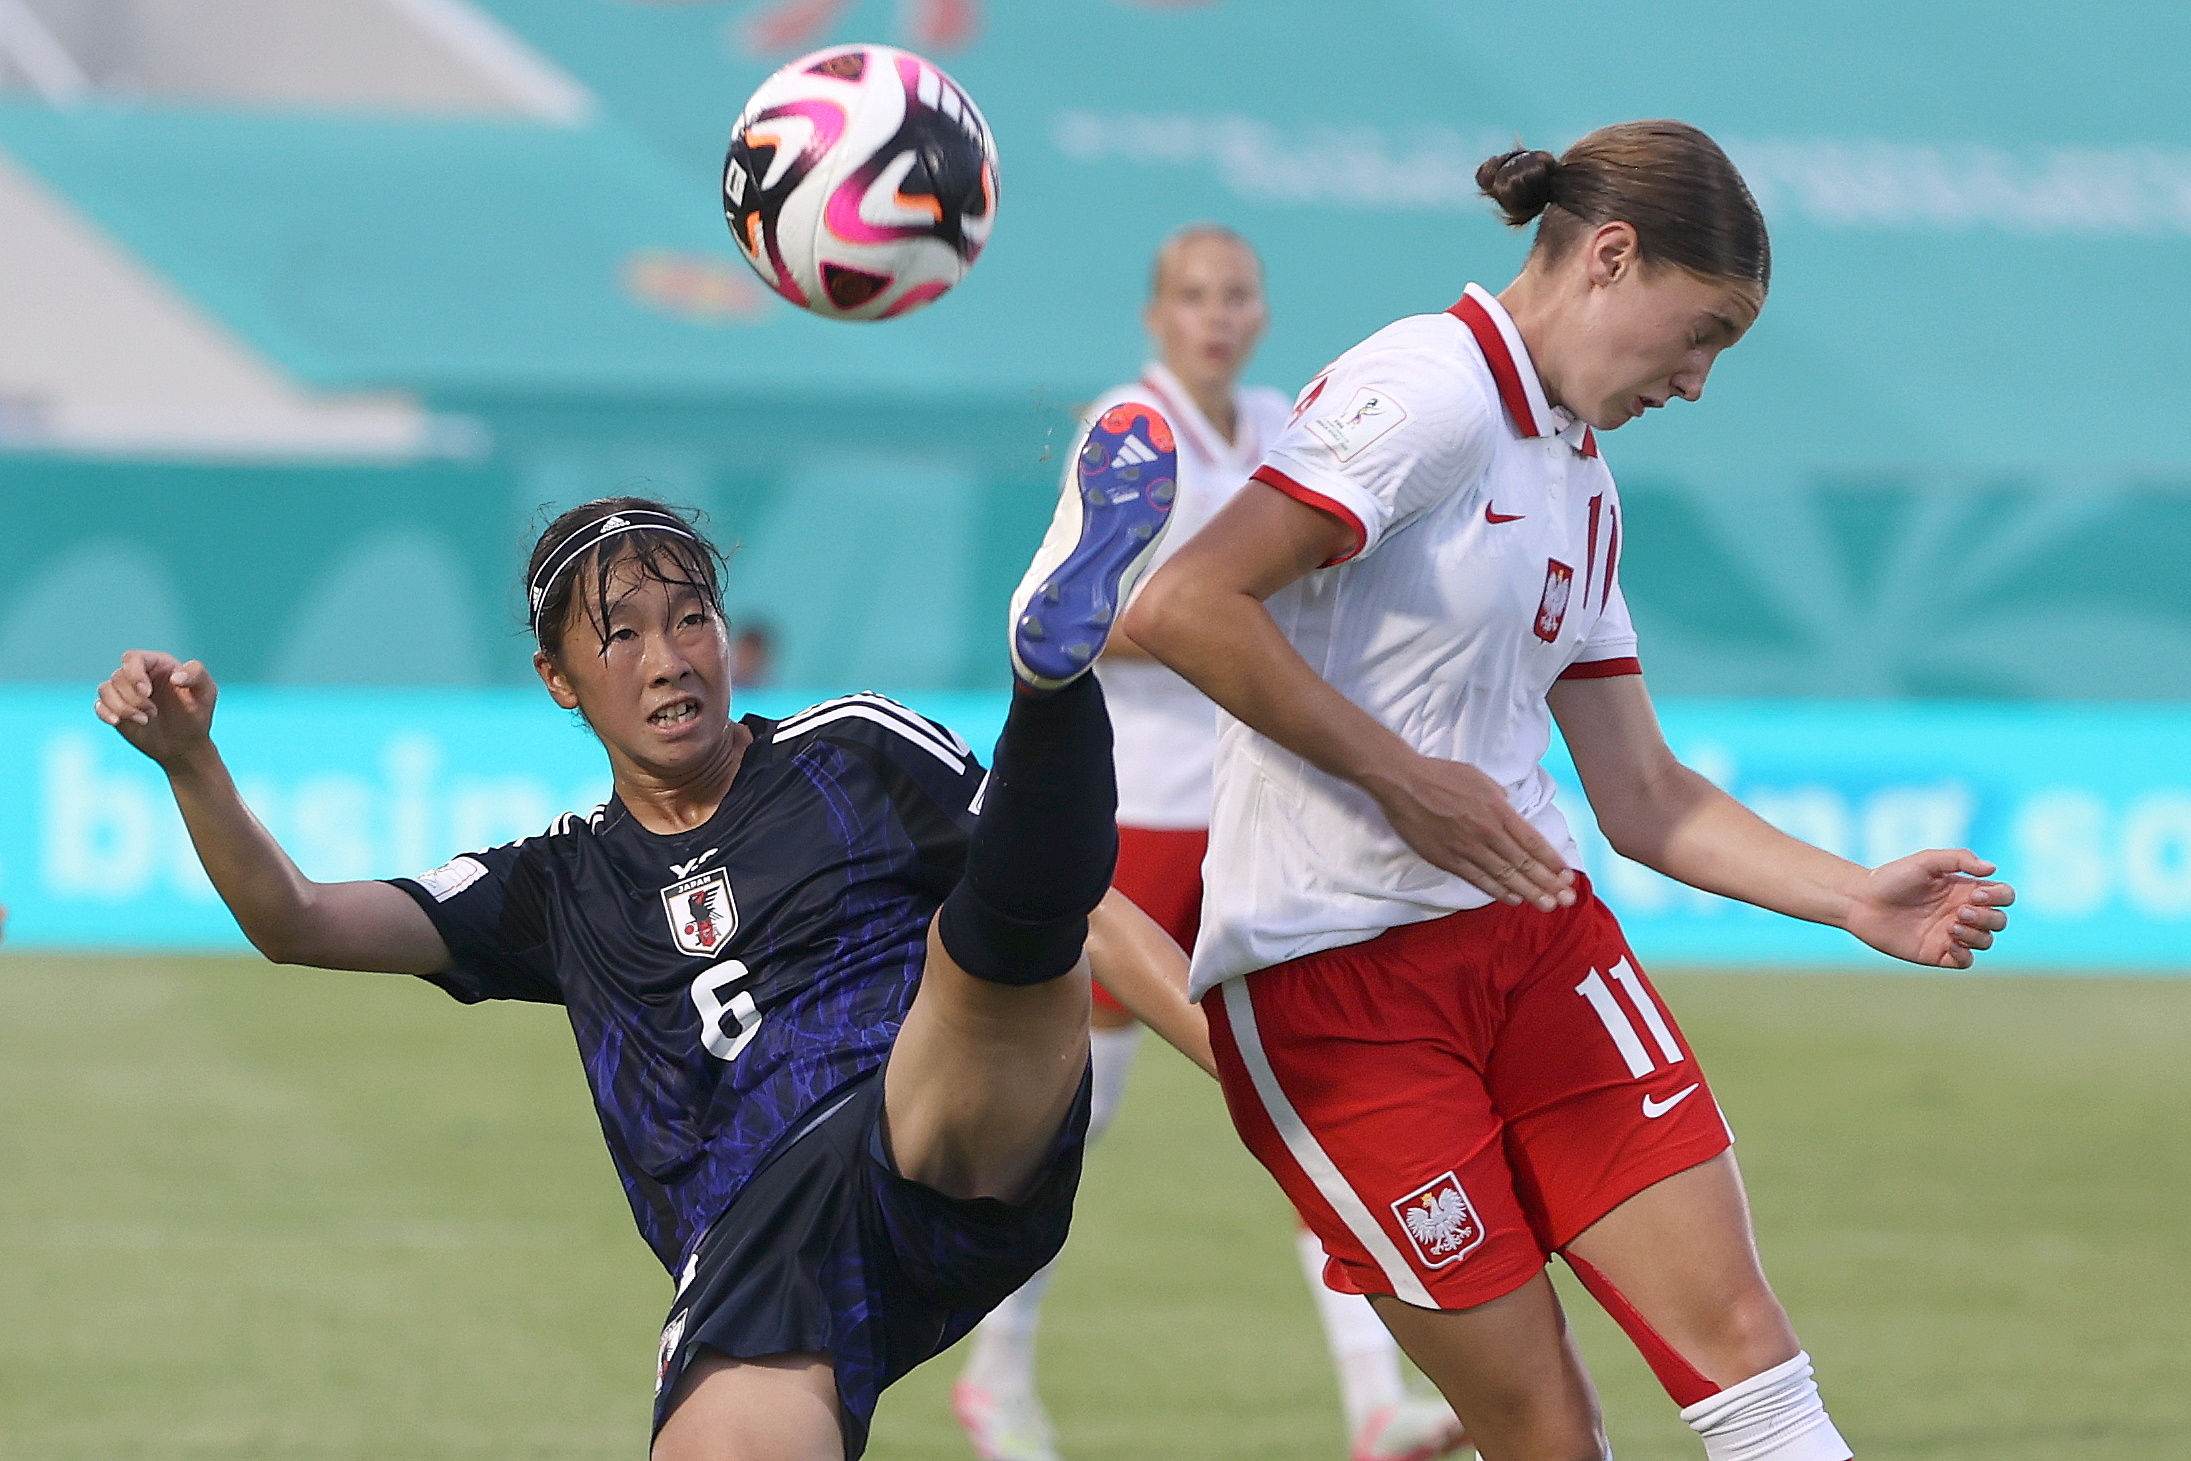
(1163, 729)
(1485, 567)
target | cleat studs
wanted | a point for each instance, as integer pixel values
(1129, 474)
(1051, 593)
(1101, 615)
(1162, 491)
(1094, 496)
(1092, 457)
(1031, 627)
(1080, 652)
(1142, 532)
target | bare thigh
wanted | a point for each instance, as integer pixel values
(1682, 1252)
(982, 1076)
(1509, 1369)
(776, 1408)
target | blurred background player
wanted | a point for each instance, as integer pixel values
(753, 656)
(1206, 314)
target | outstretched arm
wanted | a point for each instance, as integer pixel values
(1138, 962)
(165, 709)
(1936, 907)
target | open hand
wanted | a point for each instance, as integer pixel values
(1459, 819)
(161, 706)
(1936, 907)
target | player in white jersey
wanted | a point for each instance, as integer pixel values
(1428, 1027)
(1206, 314)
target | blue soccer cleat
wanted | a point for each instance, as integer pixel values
(1101, 541)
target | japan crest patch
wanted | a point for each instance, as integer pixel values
(1440, 1221)
(702, 913)
(1559, 585)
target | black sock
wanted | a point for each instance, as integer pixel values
(1046, 845)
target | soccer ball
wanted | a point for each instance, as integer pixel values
(861, 182)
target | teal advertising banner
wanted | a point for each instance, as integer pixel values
(2086, 808)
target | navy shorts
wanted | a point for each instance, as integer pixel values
(828, 1250)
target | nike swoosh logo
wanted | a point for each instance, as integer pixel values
(1491, 516)
(1655, 1109)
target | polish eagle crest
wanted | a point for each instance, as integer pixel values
(1440, 1221)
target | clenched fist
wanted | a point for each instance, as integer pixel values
(161, 706)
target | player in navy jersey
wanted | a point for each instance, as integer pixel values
(826, 975)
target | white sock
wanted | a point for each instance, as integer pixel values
(1773, 1416)
(1110, 1057)
(1363, 1354)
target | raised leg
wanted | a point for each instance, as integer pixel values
(993, 1050)
(989, 1061)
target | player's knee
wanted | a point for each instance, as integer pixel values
(995, 947)
(1751, 1334)
(1775, 1415)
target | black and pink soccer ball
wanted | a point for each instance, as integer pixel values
(861, 182)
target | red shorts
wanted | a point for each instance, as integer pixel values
(1162, 873)
(1451, 1101)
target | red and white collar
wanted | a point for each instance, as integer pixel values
(1187, 418)
(1519, 388)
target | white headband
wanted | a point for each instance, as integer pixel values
(580, 543)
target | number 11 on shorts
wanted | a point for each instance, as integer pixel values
(1621, 1028)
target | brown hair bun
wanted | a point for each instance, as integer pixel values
(1667, 180)
(1521, 182)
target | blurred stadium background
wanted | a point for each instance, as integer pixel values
(308, 309)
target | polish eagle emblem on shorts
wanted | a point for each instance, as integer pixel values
(702, 913)
(1559, 586)
(1440, 1221)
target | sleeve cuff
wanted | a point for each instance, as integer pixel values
(1334, 503)
(1602, 669)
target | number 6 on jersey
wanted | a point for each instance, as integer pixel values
(745, 1016)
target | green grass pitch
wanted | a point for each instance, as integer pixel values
(256, 1213)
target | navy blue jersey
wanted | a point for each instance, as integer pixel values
(724, 982)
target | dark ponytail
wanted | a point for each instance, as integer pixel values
(1666, 179)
